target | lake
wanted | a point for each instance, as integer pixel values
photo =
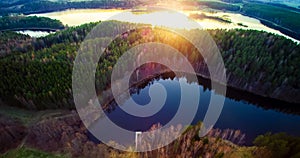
(75, 17)
(35, 34)
(236, 114)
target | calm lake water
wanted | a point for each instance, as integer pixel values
(239, 115)
(75, 17)
(35, 34)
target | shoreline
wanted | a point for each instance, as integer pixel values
(274, 26)
(73, 8)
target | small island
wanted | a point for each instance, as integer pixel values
(204, 16)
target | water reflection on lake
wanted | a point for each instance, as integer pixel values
(35, 34)
(247, 117)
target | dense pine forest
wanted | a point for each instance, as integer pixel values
(30, 22)
(259, 62)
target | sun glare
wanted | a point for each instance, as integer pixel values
(163, 18)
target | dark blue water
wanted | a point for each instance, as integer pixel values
(239, 115)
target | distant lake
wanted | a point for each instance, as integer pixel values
(239, 115)
(75, 17)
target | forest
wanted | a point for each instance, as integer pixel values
(41, 6)
(274, 14)
(256, 61)
(280, 144)
(220, 5)
(30, 22)
(67, 138)
(214, 5)
(14, 42)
